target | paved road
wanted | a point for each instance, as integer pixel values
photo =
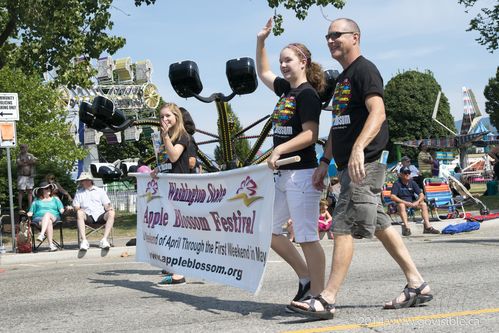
(119, 295)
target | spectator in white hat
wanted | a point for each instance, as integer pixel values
(92, 205)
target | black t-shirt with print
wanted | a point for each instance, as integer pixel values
(182, 164)
(354, 84)
(295, 107)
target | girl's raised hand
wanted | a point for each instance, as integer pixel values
(265, 32)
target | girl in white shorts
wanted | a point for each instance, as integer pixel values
(296, 124)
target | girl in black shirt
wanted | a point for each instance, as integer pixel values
(172, 158)
(296, 126)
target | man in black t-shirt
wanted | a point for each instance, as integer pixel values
(358, 135)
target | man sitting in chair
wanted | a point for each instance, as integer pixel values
(92, 205)
(407, 194)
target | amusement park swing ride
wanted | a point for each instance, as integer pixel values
(118, 106)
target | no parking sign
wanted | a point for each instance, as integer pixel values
(9, 114)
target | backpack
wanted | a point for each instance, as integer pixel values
(24, 236)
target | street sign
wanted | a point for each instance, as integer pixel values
(9, 107)
(7, 134)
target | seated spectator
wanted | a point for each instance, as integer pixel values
(406, 162)
(92, 205)
(325, 220)
(407, 194)
(415, 174)
(45, 210)
(58, 189)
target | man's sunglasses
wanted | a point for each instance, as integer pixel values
(406, 172)
(337, 34)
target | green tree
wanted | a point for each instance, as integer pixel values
(42, 125)
(43, 35)
(241, 146)
(491, 93)
(300, 8)
(409, 100)
(486, 23)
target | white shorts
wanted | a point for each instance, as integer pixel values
(298, 199)
(25, 183)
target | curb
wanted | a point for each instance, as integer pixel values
(65, 255)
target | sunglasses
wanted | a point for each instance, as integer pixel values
(406, 172)
(337, 34)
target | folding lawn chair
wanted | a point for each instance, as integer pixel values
(439, 196)
(36, 228)
(95, 228)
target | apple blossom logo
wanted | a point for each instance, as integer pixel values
(151, 190)
(246, 192)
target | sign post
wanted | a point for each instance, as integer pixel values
(9, 114)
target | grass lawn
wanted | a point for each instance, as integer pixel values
(492, 202)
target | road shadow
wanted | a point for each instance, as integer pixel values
(211, 304)
(467, 241)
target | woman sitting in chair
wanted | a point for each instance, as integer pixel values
(45, 210)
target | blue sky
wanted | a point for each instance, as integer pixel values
(397, 35)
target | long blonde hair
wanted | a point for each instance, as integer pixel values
(178, 129)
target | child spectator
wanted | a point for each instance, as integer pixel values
(325, 220)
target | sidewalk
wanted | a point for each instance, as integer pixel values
(70, 252)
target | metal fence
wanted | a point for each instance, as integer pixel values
(123, 201)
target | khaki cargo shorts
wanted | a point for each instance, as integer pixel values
(359, 211)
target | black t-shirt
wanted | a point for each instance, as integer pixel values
(358, 80)
(295, 107)
(409, 192)
(192, 151)
(182, 164)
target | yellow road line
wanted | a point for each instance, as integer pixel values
(396, 321)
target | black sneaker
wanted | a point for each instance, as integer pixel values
(302, 291)
(301, 295)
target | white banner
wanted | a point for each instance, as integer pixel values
(214, 226)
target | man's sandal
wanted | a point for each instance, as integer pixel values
(412, 297)
(312, 312)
